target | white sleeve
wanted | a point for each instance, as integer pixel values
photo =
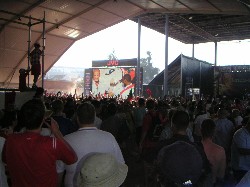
(241, 139)
(117, 152)
(60, 166)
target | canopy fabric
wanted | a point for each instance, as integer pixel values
(70, 20)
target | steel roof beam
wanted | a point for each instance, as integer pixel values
(22, 13)
(52, 28)
(214, 5)
(209, 36)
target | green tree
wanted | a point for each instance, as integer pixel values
(149, 71)
(112, 56)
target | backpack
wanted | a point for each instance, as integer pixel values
(155, 129)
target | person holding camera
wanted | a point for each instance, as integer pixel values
(30, 157)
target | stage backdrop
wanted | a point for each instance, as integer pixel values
(185, 73)
(233, 81)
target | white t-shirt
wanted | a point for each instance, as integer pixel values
(198, 121)
(241, 139)
(88, 140)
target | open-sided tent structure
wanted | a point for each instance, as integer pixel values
(187, 75)
(67, 21)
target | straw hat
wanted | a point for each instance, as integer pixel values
(102, 170)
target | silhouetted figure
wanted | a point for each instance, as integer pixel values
(22, 79)
(35, 63)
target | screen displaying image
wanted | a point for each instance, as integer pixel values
(118, 81)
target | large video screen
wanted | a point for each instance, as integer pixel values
(115, 81)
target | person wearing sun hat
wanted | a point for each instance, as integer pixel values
(87, 139)
(102, 170)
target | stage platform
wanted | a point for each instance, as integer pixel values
(14, 97)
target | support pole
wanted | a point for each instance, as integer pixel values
(166, 57)
(216, 84)
(43, 50)
(29, 41)
(137, 93)
(215, 54)
(200, 81)
(193, 51)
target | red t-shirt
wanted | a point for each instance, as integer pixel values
(31, 159)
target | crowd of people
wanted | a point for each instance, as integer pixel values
(55, 140)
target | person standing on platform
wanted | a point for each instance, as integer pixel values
(35, 63)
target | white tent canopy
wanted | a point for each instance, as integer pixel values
(70, 20)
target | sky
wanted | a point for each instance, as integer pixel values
(123, 39)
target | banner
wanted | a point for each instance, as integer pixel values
(111, 63)
(87, 82)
